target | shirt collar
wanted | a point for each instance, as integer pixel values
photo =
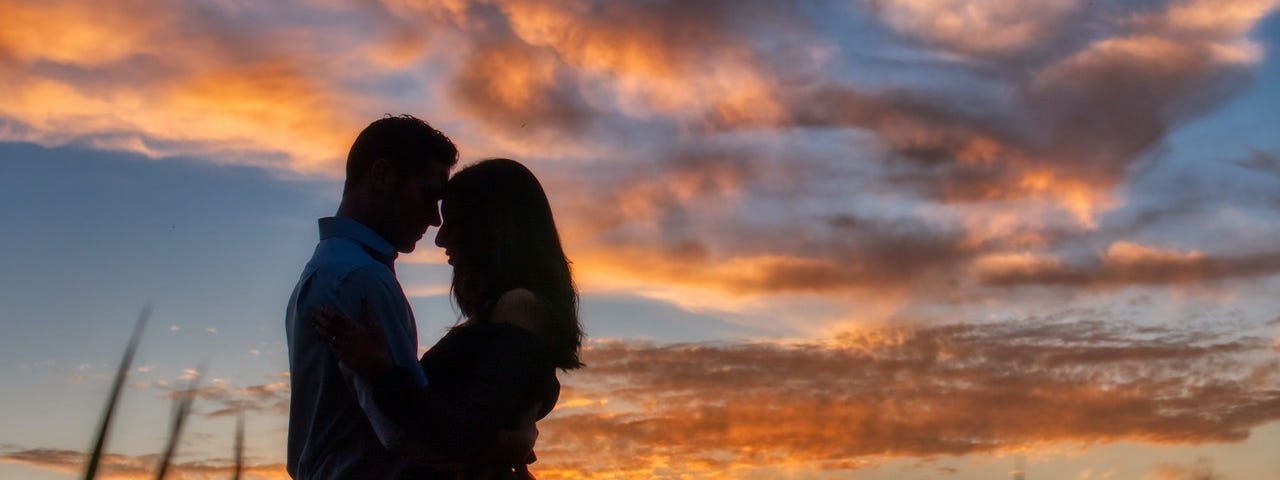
(345, 227)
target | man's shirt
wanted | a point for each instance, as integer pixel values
(335, 430)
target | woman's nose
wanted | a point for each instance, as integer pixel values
(441, 241)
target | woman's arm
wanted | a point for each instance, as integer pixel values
(468, 426)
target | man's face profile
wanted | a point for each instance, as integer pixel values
(414, 205)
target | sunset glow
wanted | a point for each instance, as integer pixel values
(874, 239)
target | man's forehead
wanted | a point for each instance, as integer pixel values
(437, 174)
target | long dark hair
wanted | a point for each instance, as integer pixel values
(502, 214)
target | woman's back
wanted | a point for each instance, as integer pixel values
(468, 351)
(495, 373)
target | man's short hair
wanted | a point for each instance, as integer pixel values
(409, 144)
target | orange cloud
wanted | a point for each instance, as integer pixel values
(949, 390)
(1202, 469)
(1126, 263)
(877, 260)
(978, 27)
(731, 147)
(162, 80)
(648, 54)
(1016, 173)
(857, 399)
(129, 467)
(537, 67)
(520, 89)
(274, 106)
(101, 36)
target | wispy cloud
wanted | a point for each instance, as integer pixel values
(271, 398)
(860, 397)
(115, 466)
(1201, 469)
(1125, 264)
(947, 390)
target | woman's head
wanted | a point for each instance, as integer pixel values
(499, 235)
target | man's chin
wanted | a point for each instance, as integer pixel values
(408, 246)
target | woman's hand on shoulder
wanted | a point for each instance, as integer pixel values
(522, 308)
(359, 344)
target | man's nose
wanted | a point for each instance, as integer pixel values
(433, 217)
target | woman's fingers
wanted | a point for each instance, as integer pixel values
(330, 320)
(371, 324)
(370, 328)
(366, 314)
(349, 339)
(337, 322)
(330, 325)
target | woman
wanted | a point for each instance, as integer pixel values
(512, 282)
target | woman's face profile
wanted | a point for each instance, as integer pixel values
(459, 235)
(447, 234)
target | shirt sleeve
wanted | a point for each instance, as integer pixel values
(376, 285)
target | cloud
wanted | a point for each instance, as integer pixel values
(507, 84)
(105, 37)
(578, 79)
(1202, 469)
(427, 290)
(857, 398)
(1262, 161)
(1126, 263)
(878, 254)
(741, 148)
(952, 24)
(166, 79)
(1133, 75)
(116, 466)
(1022, 161)
(943, 390)
(220, 398)
(665, 57)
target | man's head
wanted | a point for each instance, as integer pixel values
(396, 172)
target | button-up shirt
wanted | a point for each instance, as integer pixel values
(335, 429)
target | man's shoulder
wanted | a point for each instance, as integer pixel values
(342, 256)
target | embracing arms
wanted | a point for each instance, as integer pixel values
(469, 420)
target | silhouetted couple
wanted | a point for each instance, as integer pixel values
(363, 404)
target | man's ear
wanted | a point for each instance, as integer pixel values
(380, 174)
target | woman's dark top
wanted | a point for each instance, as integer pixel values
(481, 377)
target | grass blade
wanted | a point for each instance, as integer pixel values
(104, 428)
(181, 409)
(239, 454)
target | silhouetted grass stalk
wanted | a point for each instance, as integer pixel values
(181, 408)
(122, 373)
(239, 455)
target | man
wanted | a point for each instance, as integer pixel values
(396, 172)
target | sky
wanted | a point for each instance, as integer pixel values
(873, 239)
